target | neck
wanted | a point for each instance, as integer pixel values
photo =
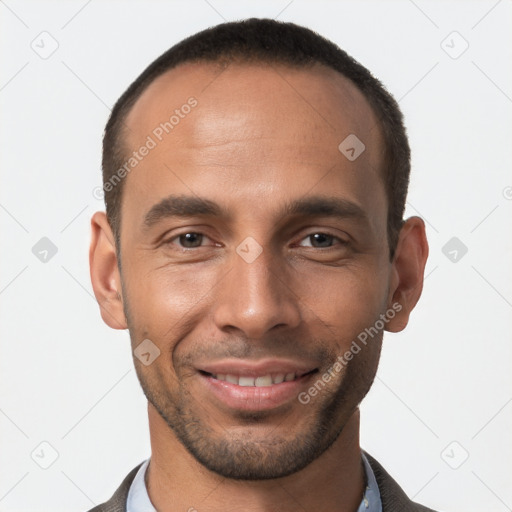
(176, 481)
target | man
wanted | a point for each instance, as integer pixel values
(254, 245)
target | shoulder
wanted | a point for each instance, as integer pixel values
(117, 503)
(392, 495)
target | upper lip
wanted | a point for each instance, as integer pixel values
(247, 368)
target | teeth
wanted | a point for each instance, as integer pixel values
(262, 381)
(278, 378)
(246, 381)
(232, 378)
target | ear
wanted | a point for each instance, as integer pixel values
(407, 273)
(105, 276)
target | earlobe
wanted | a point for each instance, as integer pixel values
(105, 276)
(408, 268)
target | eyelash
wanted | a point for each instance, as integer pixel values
(334, 237)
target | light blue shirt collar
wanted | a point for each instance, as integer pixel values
(371, 501)
(138, 498)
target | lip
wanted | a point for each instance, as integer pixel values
(254, 398)
(247, 368)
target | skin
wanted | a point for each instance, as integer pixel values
(259, 138)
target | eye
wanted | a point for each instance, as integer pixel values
(322, 240)
(189, 240)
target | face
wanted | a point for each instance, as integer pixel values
(254, 253)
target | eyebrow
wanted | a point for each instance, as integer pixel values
(315, 206)
(180, 206)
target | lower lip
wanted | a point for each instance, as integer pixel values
(253, 398)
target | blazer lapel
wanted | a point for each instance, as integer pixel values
(118, 501)
(392, 496)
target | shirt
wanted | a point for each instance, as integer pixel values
(138, 497)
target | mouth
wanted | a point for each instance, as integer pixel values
(248, 386)
(259, 381)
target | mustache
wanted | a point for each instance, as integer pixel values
(295, 348)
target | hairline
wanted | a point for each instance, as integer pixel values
(223, 62)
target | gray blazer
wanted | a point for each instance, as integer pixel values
(393, 497)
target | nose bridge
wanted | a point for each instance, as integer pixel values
(255, 297)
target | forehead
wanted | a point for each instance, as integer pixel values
(263, 99)
(255, 129)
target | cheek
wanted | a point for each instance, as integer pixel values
(346, 300)
(167, 302)
(164, 299)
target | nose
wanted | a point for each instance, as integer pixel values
(255, 298)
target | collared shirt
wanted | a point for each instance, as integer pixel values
(371, 501)
(138, 497)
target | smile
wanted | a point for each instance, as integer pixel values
(254, 386)
(257, 381)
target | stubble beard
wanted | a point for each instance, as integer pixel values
(242, 454)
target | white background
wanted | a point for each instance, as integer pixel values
(67, 379)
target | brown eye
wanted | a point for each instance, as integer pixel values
(321, 240)
(190, 240)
